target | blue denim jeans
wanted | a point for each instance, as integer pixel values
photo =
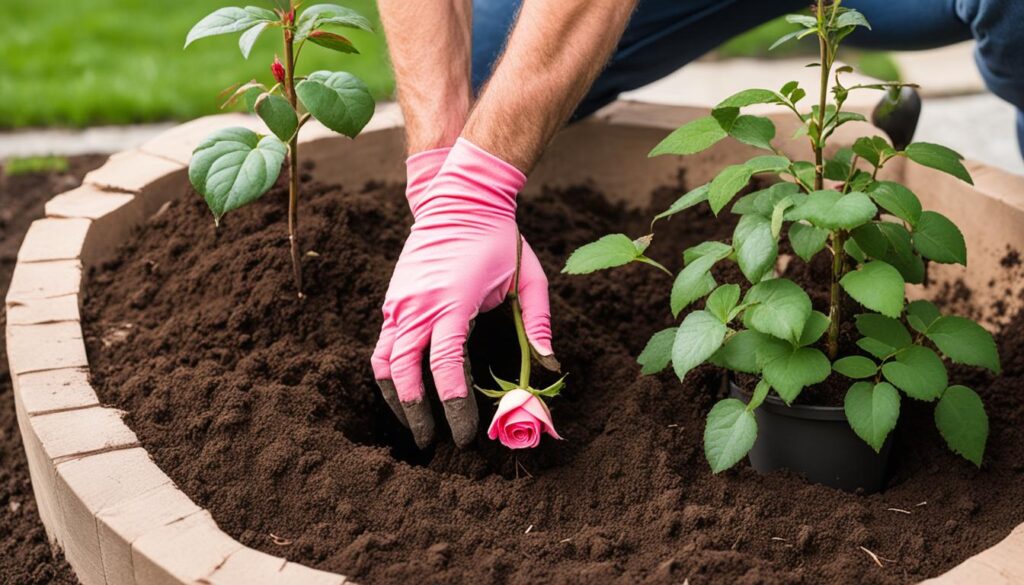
(664, 35)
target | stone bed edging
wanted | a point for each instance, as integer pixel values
(118, 518)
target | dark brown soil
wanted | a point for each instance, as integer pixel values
(265, 411)
(25, 555)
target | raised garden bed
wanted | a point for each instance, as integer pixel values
(264, 411)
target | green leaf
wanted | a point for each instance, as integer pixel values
(778, 307)
(332, 41)
(504, 384)
(725, 117)
(763, 202)
(711, 247)
(768, 163)
(788, 88)
(248, 38)
(608, 252)
(228, 20)
(850, 17)
(552, 390)
(940, 158)
(739, 353)
(897, 200)
(756, 249)
(692, 283)
(873, 149)
(876, 285)
(753, 130)
(921, 315)
(891, 243)
(691, 138)
(885, 329)
(964, 342)
(657, 354)
(815, 327)
(872, 411)
(698, 337)
(722, 301)
(278, 115)
(319, 15)
(725, 186)
(804, 172)
(807, 240)
(235, 166)
(694, 197)
(749, 97)
(962, 422)
(729, 434)
(918, 371)
(490, 393)
(789, 370)
(938, 239)
(803, 20)
(778, 214)
(876, 348)
(243, 90)
(339, 100)
(855, 366)
(760, 393)
(786, 38)
(831, 210)
(853, 250)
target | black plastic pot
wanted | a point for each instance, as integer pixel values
(815, 441)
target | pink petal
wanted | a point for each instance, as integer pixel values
(509, 402)
(539, 410)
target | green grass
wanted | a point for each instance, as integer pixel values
(35, 164)
(74, 63)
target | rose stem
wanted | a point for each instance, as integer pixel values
(293, 164)
(517, 316)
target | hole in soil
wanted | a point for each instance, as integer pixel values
(492, 347)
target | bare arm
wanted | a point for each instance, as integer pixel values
(554, 54)
(429, 44)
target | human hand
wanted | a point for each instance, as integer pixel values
(459, 260)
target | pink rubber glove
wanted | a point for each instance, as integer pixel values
(458, 261)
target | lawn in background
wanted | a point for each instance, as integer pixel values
(86, 62)
(81, 62)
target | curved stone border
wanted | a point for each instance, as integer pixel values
(120, 520)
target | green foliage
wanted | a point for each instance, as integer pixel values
(872, 411)
(876, 285)
(699, 336)
(878, 237)
(938, 157)
(278, 115)
(339, 100)
(235, 166)
(962, 422)
(657, 354)
(608, 252)
(729, 434)
(35, 164)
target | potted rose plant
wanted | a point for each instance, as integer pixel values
(767, 331)
(235, 166)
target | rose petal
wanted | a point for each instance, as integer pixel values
(539, 410)
(509, 402)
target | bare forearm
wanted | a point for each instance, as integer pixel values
(429, 44)
(553, 56)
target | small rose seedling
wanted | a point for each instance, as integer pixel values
(235, 166)
(878, 236)
(522, 417)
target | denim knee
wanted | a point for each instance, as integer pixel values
(998, 28)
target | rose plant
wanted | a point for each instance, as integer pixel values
(235, 166)
(522, 417)
(878, 237)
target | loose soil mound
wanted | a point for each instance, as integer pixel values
(25, 556)
(265, 411)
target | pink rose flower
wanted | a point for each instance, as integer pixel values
(520, 420)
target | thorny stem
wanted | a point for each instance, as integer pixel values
(293, 165)
(517, 316)
(838, 237)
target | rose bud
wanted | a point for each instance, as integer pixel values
(277, 69)
(520, 420)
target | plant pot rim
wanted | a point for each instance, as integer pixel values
(778, 406)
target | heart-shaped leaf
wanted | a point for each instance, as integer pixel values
(729, 434)
(608, 252)
(878, 286)
(778, 307)
(278, 115)
(698, 337)
(872, 411)
(939, 157)
(339, 100)
(832, 210)
(235, 166)
(855, 366)
(938, 239)
(918, 371)
(756, 249)
(691, 138)
(964, 342)
(962, 422)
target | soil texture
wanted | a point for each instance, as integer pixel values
(265, 411)
(25, 555)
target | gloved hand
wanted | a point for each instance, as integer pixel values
(459, 260)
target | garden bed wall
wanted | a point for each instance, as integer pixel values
(121, 520)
